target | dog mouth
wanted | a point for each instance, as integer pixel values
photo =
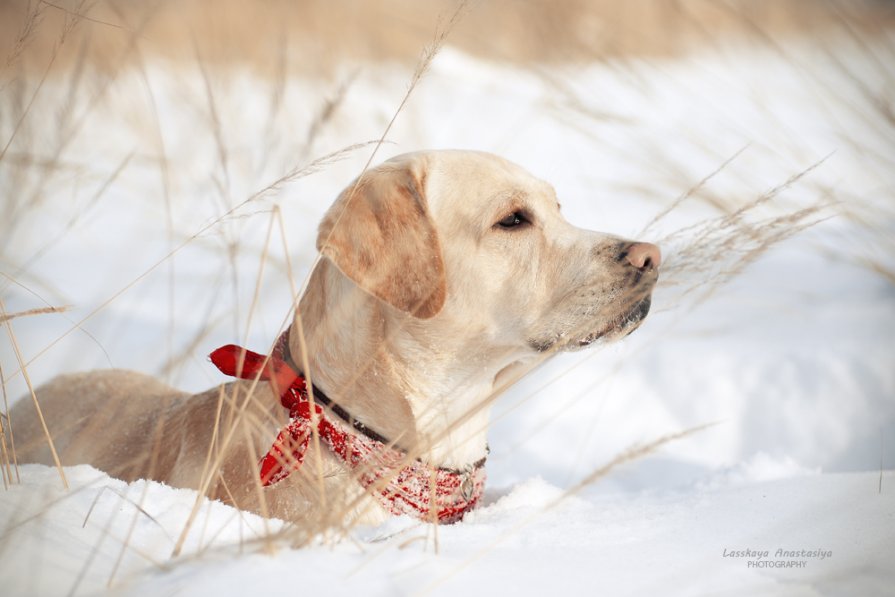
(621, 326)
(618, 328)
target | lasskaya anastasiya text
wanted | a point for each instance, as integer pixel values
(758, 554)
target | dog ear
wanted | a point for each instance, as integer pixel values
(379, 234)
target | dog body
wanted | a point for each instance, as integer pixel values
(444, 277)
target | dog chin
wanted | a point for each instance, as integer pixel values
(616, 330)
(622, 326)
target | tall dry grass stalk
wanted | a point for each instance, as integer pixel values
(7, 440)
(24, 369)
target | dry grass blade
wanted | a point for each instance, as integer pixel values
(631, 454)
(24, 369)
(126, 499)
(328, 111)
(8, 452)
(62, 313)
(690, 192)
(106, 533)
(29, 26)
(217, 131)
(302, 171)
(878, 266)
(177, 360)
(872, 242)
(29, 312)
(79, 214)
(83, 15)
(12, 525)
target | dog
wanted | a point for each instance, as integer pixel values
(443, 277)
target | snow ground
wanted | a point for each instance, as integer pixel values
(793, 359)
(527, 543)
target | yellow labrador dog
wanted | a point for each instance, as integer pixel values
(444, 276)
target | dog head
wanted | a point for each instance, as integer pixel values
(470, 242)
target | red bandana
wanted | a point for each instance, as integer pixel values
(402, 486)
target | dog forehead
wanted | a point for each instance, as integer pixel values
(475, 183)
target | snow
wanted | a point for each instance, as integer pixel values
(78, 535)
(792, 360)
(534, 539)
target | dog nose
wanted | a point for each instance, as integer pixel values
(644, 256)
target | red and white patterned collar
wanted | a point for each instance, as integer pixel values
(401, 485)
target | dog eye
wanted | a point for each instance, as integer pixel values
(513, 220)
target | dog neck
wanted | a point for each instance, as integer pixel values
(394, 373)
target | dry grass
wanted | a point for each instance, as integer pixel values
(89, 44)
(316, 35)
